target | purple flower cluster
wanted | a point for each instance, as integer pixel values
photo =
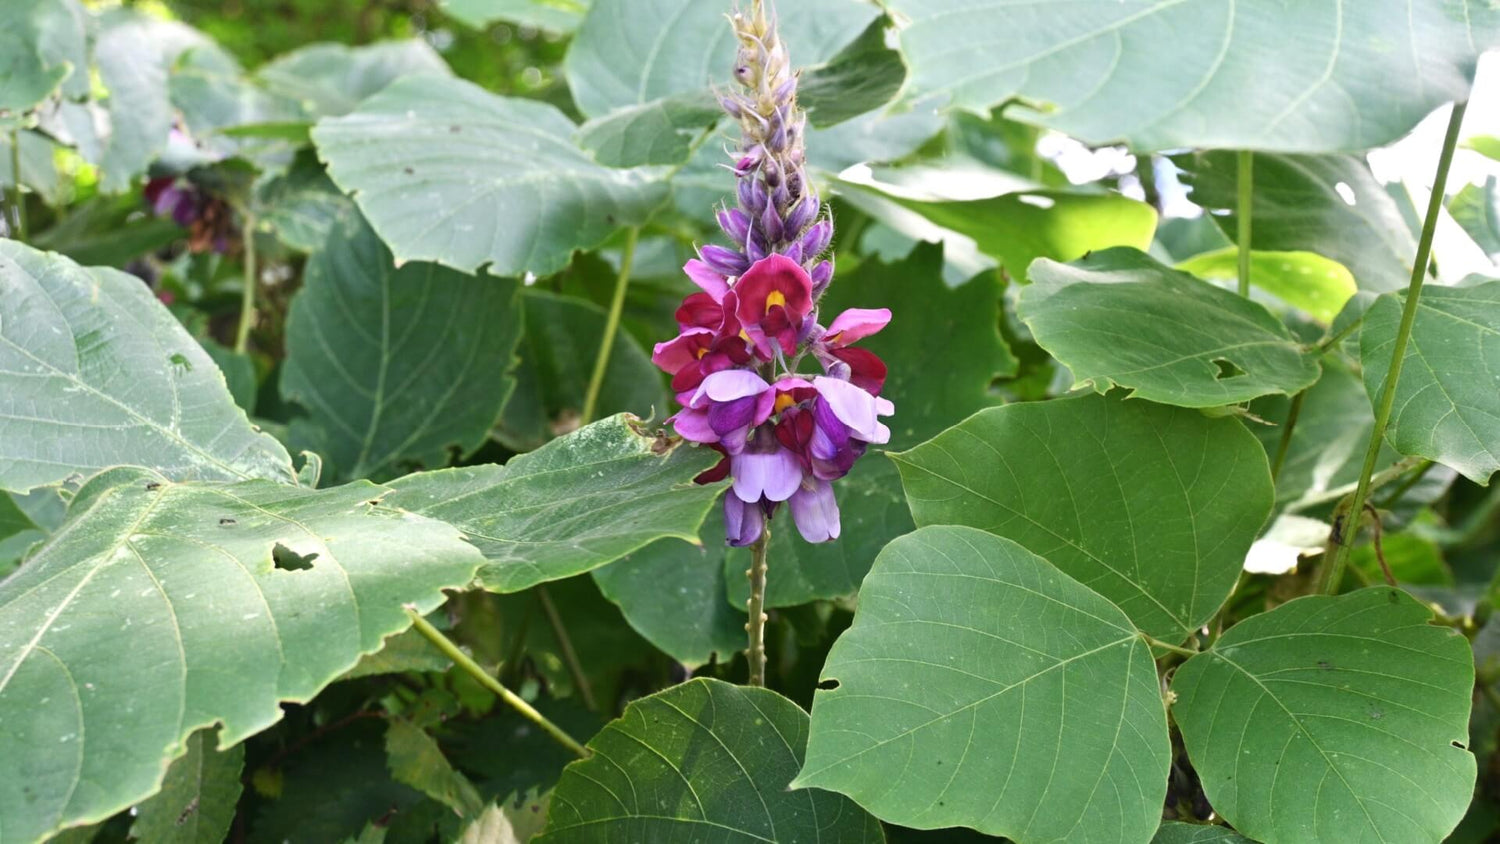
(736, 365)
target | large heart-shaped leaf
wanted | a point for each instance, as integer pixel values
(573, 505)
(1329, 204)
(703, 761)
(1120, 318)
(159, 608)
(1151, 506)
(1448, 400)
(396, 366)
(1333, 719)
(943, 349)
(95, 372)
(450, 173)
(954, 703)
(1356, 75)
(331, 79)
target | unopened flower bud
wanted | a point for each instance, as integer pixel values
(735, 223)
(724, 261)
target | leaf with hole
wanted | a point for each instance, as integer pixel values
(1333, 718)
(1152, 507)
(951, 702)
(159, 608)
(1120, 318)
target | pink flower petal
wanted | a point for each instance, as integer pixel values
(856, 324)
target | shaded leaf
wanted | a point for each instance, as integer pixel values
(951, 693)
(1448, 399)
(42, 50)
(159, 608)
(701, 759)
(515, 822)
(302, 205)
(560, 16)
(398, 654)
(571, 506)
(38, 168)
(1305, 280)
(1153, 507)
(1358, 694)
(396, 366)
(416, 760)
(1172, 832)
(121, 380)
(659, 132)
(329, 80)
(864, 76)
(1120, 318)
(197, 800)
(481, 179)
(1096, 69)
(1476, 208)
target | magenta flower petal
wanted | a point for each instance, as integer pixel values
(775, 474)
(856, 408)
(816, 512)
(704, 276)
(743, 522)
(681, 351)
(856, 324)
(693, 425)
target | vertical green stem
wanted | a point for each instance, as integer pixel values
(462, 660)
(18, 195)
(1287, 427)
(1246, 184)
(565, 642)
(247, 296)
(611, 327)
(1333, 568)
(756, 626)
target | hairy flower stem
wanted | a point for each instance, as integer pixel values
(1287, 428)
(247, 296)
(570, 656)
(1246, 184)
(756, 626)
(462, 660)
(611, 327)
(1343, 541)
(18, 196)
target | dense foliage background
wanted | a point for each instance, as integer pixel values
(324, 318)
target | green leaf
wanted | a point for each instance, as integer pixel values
(559, 350)
(951, 701)
(1120, 318)
(1356, 76)
(160, 607)
(107, 231)
(1173, 832)
(121, 381)
(409, 651)
(302, 205)
(1017, 228)
(416, 760)
(1151, 506)
(702, 761)
(397, 367)
(659, 132)
(943, 349)
(1328, 204)
(672, 593)
(1447, 402)
(625, 55)
(38, 167)
(573, 505)
(329, 80)
(239, 374)
(863, 77)
(197, 800)
(1476, 209)
(483, 179)
(561, 16)
(1305, 280)
(507, 824)
(1333, 718)
(42, 44)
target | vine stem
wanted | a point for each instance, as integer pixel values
(756, 626)
(570, 656)
(1290, 425)
(462, 660)
(247, 297)
(1333, 568)
(611, 327)
(1246, 184)
(17, 194)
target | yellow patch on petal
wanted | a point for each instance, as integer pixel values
(775, 298)
(783, 402)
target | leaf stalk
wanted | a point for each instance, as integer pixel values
(18, 195)
(247, 296)
(1246, 185)
(611, 327)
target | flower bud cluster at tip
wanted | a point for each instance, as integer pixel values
(785, 432)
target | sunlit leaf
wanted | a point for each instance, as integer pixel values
(416, 760)
(329, 80)
(701, 761)
(159, 608)
(1120, 318)
(1153, 507)
(577, 503)
(952, 701)
(1357, 694)
(120, 380)
(1098, 69)
(397, 366)
(1317, 285)
(450, 173)
(1448, 399)
(197, 800)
